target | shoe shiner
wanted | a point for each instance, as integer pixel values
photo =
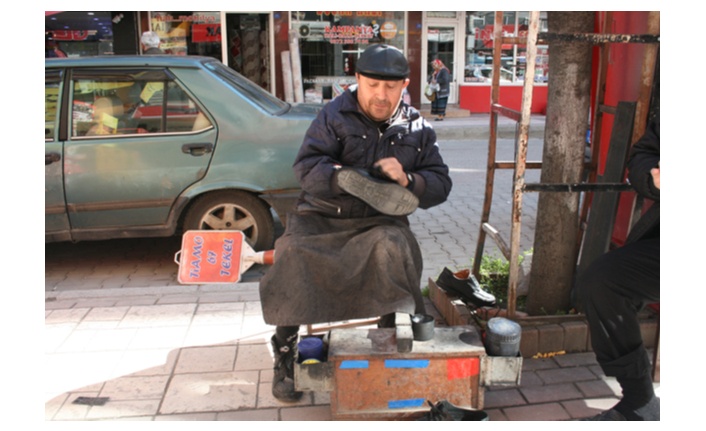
(616, 286)
(347, 252)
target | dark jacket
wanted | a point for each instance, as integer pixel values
(443, 78)
(644, 156)
(342, 135)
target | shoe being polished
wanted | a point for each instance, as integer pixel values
(445, 411)
(464, 285)
(386, 196)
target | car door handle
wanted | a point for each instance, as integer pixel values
(50, 158)
(197, 149)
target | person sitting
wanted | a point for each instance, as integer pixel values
(367, 161)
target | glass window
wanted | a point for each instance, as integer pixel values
(188, 33)
(109, 102)
(51, 98)
(254, 93)
(78, 34)
(331, 42)
(479, 48)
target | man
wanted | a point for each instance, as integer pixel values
(150, 43)
(367, 161)
(616, 286)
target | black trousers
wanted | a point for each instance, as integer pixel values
(613, 290)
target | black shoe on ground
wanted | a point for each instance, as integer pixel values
(445, 411)
(386, 196)
(464, 285)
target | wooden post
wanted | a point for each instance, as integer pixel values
(287, 77)
(296, 66)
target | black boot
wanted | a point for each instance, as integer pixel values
(283, 379)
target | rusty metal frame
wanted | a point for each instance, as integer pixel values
(523, 116)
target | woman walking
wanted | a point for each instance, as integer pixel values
(441, 77)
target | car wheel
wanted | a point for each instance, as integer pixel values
(233, 210)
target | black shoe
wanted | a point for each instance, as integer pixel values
(386, 196)
(464, 285)
(445, 411)
(283, 379)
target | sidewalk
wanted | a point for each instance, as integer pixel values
(154, 350)
(202, 353)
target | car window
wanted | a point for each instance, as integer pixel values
(253, 92)
(128, 102)
(51, 97)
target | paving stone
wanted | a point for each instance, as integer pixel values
(503, 398)
(537, 412)
(548, 393)
(563, 375)
(206, 359)
(210, 392)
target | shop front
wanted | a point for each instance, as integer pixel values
(330, 43)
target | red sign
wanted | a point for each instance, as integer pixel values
(72, 34)
(205, 32)
(210, 257)
(486, 34)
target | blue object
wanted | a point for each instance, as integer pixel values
(311, 348)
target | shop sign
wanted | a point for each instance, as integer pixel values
(485, 34)
(72, 34)
(206, 33)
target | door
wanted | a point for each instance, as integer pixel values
(137, 140)
(441, 43)
(56, 222)
(248, 47)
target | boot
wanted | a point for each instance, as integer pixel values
(283, 379)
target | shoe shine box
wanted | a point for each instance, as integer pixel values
(369, 379)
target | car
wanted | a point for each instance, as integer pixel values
(152, 146)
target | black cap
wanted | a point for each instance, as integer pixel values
(383, 62)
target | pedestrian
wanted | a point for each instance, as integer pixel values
(151, 43)
(367, 161)
(618, 284)
(440, 79)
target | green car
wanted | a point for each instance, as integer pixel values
(147, 146)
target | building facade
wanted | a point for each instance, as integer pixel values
(329, 44)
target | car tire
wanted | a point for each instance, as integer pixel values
(233, 210)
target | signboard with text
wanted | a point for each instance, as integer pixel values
(210, 257)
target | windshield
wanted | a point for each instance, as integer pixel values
(255, 93)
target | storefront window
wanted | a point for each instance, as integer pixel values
(479, 48)
(188, 33)
(78, 34)
(331, 42)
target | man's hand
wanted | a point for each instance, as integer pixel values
(392, 169)
(655, 176)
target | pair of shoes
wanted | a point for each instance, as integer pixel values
(283, 380)
(438, 119)
(445, 411)
(386, 196)
(464, 285)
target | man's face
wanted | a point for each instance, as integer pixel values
(378, 99)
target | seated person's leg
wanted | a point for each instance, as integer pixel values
(613, 290)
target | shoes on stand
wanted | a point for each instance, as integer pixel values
(464, 285)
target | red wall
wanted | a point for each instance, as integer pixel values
(476, 98)
(622, 84)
